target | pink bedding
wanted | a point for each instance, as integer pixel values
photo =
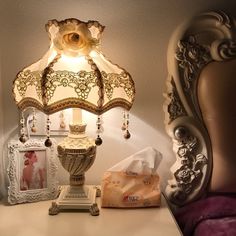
(215, 215)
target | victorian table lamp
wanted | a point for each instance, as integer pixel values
(74, 74)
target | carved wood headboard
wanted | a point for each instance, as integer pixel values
(207, 38)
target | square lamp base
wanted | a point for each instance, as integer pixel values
(76, 198)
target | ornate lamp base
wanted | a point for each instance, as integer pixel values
(76, 153)
(76, 198)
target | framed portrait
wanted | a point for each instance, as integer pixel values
(32, 171)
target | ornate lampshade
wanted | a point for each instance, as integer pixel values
(74, 74)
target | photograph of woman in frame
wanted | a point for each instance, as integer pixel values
(33, 170)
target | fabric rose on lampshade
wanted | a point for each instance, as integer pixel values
(72, 37)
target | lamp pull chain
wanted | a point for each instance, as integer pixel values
(126, 122)
(98, 140)
(23, 137)
(48, 142)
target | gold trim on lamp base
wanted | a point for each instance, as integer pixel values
(76, 198)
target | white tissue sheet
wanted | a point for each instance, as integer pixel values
(133, 182)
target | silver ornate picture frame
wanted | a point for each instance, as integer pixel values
(32, 171)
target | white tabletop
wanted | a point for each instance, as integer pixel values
(32, 219)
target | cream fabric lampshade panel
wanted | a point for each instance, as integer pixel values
(74, 73)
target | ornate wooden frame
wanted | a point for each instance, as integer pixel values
(206, 38)
(15, 195)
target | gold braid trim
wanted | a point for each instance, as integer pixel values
(73, 103)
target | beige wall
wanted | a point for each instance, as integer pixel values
(136, 37)
(1, 129)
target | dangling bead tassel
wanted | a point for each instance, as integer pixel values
(23, 137)
(33, 127)
(48, 142)
(123, 127)
(98, 140)
(127, 133)
(62, 120)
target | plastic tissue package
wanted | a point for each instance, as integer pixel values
(133, 182)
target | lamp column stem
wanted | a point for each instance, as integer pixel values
(77, 180)
(77, 116)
